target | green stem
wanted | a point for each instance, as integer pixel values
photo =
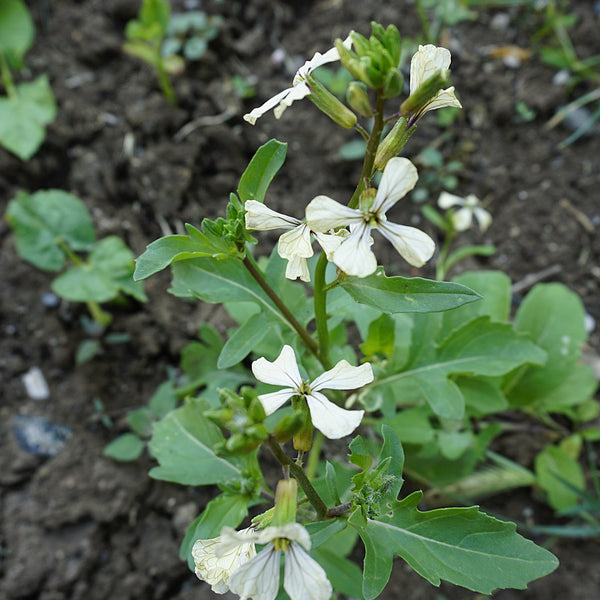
(423, 20)
(285, 311)
(163, 79)
(440, 267)
(372, 145)
(320, 302)
(298, 472)
(6, 76)
(313, 457)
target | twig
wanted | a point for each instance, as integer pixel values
(206, 121)
(580, 216)
(533, 278)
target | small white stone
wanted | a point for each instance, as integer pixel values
(35, 384)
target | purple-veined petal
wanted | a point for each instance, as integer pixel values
(330, 242)
(296, 242)
(413, 245)
(324, 213)
(331, 420)
(259, 577)
(282, 371)
(399, 177)
(297, 267)
(443, 99)
(343, 377)
(304, 578)
(354, 256)
(426, 62)
(290, 531)
(262, 218)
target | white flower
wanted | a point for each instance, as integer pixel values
(300, 88)
(334, 422)
(354, 255)
(217, 569)
(258, 578)
(295, 245)
(463, 217)
(427, 61)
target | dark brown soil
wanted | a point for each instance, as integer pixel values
(79, 526)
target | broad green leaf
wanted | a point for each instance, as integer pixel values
(322, 531)
(244, 340)
(459, 545)
(45, 219)
(482, 396)
(398, 294)
(478, 348)
(155, 12)
(553, 317)
(261, 170)
(344, 575)
(182, 443)
(381, 337)
(412, 426)
(226, 510)
(164, 400)
(125, 448)
(494, 289)
(552, 465)
(453, 444)
(24, 116)
(16, 31)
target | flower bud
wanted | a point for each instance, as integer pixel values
(391, 144)
(256, 411)
(288, 426)
(220, 417)
(417, 102)
(286, 501)
(358, 99)
(239, 444)
(393, 84)
(326, 102)
(367, 197)
(304, 438)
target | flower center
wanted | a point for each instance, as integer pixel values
(281, 544)
(304, 388)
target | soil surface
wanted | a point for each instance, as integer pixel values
(80, 526)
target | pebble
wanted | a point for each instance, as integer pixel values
(39, 436)
(35, 384)
(590, 323)
(50, 300)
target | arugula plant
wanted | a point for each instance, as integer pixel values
(52, 230)
(28, 107)
(299, 336)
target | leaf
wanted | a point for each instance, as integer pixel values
(478, 348)
(164, 400)
(381, 337)
(412, 425)
(16, 31)
(140, 421)
(262, 168)
(459, 545)
(183, 441)
(226, 510)
(553, 465)
(344, 575)
(398, 294)
(23, 117)
(244, 340)
(467, 251)
(125, 448)
(42, 220)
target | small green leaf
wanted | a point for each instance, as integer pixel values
(140, 421)
(86, 351)
(261, 170)
(381, 337)
(398, 294)
(164, 400)
(552, 465)
(16, 31)
(41, 221)
(125, 448)
(467, 251)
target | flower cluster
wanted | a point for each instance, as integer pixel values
(230, 562)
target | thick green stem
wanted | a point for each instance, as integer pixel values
(285, 311)
(370, 153)
(313, 457)
(320, 301)
(298, 472)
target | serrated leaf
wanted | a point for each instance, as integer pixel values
(399, 294)
(125, 448)
(261, 170)
(182, 443)
(226, 510)
(42, 220)
(459, 545)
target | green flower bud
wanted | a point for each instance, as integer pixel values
(392, 43)
(288, 426)
(304, 438)
(358, 99)
(360, 44)
(239, 444)
(326, 102)
(391, 144)
(367, 198)
(286, 502)
(256, 411)
(220, 417)
(257, 432)
(393, 84)
(417, 102)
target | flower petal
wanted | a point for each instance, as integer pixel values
(462, 219)
(259, 577)
(296, 242)
(282, 371)
(299, 91)
(443, 99)
(399, 177)
(256, 113)
(447, 200)
(331, 420)
(262, 218)
(297, 267)
(324, 213)
(272, 401)
(483, 217)
(290, 531)
(354, 255)
(426, 62)
(343, 377)
(413, 245)
(304, 577)
(331, 242)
